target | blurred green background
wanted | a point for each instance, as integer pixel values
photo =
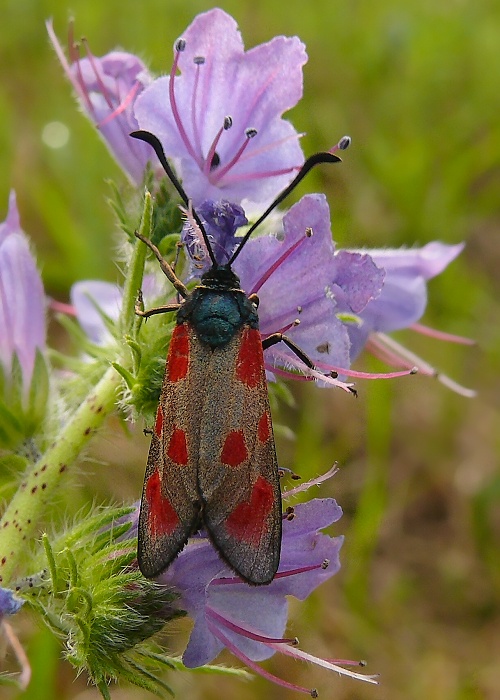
(417, 86)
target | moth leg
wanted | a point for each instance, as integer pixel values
(166, 269)
(280, 338)
(139, 308)
(157, 310)
(178, 247)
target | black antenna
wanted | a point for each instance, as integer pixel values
(311, 162)
(154, 142)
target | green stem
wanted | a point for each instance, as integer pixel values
(136, 269)
(21, 519)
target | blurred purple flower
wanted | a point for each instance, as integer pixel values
(403, 298)
(93, 299)
(9, 603)
(221, 118)
(107, 89)
(401, 304)
(22, 299)
(250, 620)
(88, 298)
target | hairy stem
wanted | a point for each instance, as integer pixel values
(133, 281)
(21, 519)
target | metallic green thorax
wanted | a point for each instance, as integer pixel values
(218, 308)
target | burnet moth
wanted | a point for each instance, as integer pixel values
(212, 461)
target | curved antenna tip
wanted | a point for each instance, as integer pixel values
(345, 142)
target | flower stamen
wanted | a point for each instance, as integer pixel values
(21, 656)
(331, 666)
(126, 102)
(308, 373)
(254, 666)
(246, 631)
(343, 143)
(198, 61)
(386, 348)
(312, 482)
(75, 61)
(365, 375)
(212, 160)
(102, 87)
(441, 335)
(307, 234)
(303, 569)
(250, 133)
(180, 46)
(59, 307)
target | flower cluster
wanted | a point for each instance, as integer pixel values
(231, 155)
(224, 130)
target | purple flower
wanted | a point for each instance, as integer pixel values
(22, 307)
(93, 300)
(9, 603)
(250, 620)
(401, 303)
(298, 276)
(220, 220)
(211, 593)
(403, 298)
(344, 299)
(107, 89)
(89, 298)
(221, 118)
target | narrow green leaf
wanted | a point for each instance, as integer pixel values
(39, 391)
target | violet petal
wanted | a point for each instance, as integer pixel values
(253, 88)
(22, 299)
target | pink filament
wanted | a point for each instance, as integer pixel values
(244, 631)
(175, 109)
(276, 264)
(251, 664)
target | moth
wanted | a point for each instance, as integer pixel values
(212, 461)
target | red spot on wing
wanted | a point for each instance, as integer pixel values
(250, 358)
(178, 354)
(264, 427)
(235, 450)
(177, 447)
(162, 518)
(248, 520)
(159, 421)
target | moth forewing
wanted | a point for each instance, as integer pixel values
(238, 469)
